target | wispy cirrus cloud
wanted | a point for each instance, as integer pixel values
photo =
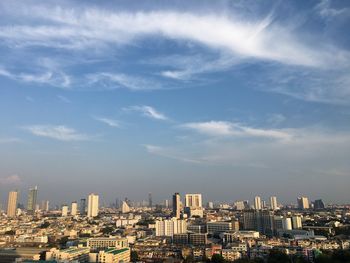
(109, 80)
(57, 79)
(147, 111)
(57, 132)
(169, 153)
(224, 128)
(110, 122)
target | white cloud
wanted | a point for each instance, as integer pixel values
(224, 128)
(108, 121)
(60, 132)
(57, 79)
(147, 111)
(10, 180)
(116, 80)
(70, 27)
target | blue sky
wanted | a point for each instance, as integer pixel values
(229, 98)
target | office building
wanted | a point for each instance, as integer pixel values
(92, 205)
(107, 242)
(150, 203)
(318, 204)
(44, 205)
(64, 210)
(273, 203)
(257, 203)
(303, 203)
(296, 222)
(170, 227)
(176, 205)
(32, 199)
(74, 208)
(12, 203)
(114, 255)
(82, 208)
(262, 221)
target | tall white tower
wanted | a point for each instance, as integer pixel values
(92, 205)
(257, 203)
(273, 203)
(74, 208)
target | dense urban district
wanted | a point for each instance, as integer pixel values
(178, 230)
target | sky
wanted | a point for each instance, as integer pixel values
(231, 99)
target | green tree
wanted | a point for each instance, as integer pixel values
(277, 256)
(134, 257)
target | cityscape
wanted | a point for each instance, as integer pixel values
(179, 131)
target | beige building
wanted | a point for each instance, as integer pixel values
(81, 254)
(74, 208)
(93, 205)
(114, 255)
(12, 204)
(107, 242)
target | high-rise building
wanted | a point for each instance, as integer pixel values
(259, 220)
(150, 204)
(125, 207)
(32, 198)
(193, 200)
(303, 203)
(82, 208)
(12, 203)
(176, 205)
(296, 222)
(92, 205)
(257, 203)
(273, 203)
(166, 203)
(193, 205)
(170, 227)
(74, 208)
(318, 204)
(44, 205)
(64, 210)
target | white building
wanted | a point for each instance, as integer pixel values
(74, 208)
(170, 227)
(296, 222)
(303, 203)
(92, 205)
(273, 203)
(257, 203)
(65, 210)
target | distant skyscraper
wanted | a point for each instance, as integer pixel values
(296, 222)
(44, 205)
(32, 197)
(166, 203)
(12, 203)
(318, 204)
(257, 203)
(303, 203)
(64, 210)
(82, 208)
(176, 205)
(125, 207)
(273, 203)
(193, 200)
(74, 208)
(150, 200)
(93, 205)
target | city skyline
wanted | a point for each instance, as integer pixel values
(226, 99)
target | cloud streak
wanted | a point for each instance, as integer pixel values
(147, 111)
(224, 128)
(59, 132)
(110, 122)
